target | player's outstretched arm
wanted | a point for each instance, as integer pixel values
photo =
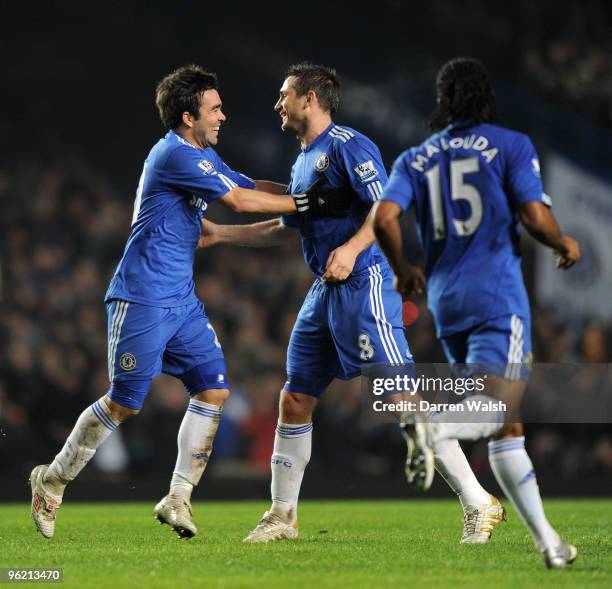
(540, 223)
(271, 187)
(316, 201)
(245, 200)
(385, 216)
(264, 234)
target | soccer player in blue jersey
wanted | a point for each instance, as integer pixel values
(472, 184)
(351, 316)
(155, 321)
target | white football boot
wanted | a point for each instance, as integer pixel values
(176, 512)
(272, 527)
(559, 556)
(479, 521)
(44, 504)
(420, 465)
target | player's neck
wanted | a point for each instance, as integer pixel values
(187, 134)
(313, 129)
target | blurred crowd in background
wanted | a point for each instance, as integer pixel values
(563, 48)
(64, 228)
(79, 119)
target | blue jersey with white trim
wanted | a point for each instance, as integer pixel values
(466, 184)
(344, 157)
(178, 182)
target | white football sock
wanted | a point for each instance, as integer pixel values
(454, 467)
(514, 472)
(195, 441)
(93, 426)
(470, 424)
(292, 447)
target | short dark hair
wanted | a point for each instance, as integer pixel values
(181, 91)
(319, 78)
(464, 93)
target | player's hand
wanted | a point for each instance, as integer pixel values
(569, 253)
(323, 202)
(340, 264)
(410, 280)
(208, 234)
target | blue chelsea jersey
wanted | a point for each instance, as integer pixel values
(467, 184)
(178, 182)
(344, 157)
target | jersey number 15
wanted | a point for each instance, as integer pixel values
(460, 190)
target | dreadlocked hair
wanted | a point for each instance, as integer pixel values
(464, 94)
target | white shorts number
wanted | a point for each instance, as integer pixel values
(366, 349)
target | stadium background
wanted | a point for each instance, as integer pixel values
(78, 119)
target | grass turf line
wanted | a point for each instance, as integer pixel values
(342, 544)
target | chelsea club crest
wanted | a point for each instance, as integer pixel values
(127, 362)
(322, 163)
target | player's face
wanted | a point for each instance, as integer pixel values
(206, 128)
(290, 106)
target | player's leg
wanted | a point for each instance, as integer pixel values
(292, 449)
(490, 412)
(195, 443)
(515, 474)
(501, 348)
(365, 317)
(509, 460)
(196, 435)
(312, 363)
(92, 427)
(194, 355)
(48, 482)
(291, 454)
(131, 368)
(482, 511)
(471, 351)
(375, 309)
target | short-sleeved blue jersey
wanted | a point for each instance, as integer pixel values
(177, 183)
(467, 184)
(344, 157)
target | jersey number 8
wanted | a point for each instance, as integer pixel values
(366, 349)
(460, 190)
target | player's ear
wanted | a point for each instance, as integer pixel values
(311, 98)
(188, 119)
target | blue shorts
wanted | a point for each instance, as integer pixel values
(499, 346)
(144, 341)
(344, 328)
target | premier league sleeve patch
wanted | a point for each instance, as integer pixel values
(366, 171)
(206, 166)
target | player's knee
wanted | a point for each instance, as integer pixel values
(295, 407)
(212, 396)
(119, 412)
(510, 430)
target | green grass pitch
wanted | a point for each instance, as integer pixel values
(412, 543)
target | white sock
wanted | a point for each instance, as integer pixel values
(93, 426)
(195, 441)
(479, 424)
(454, 467)
(292, 447)
(514, 472)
